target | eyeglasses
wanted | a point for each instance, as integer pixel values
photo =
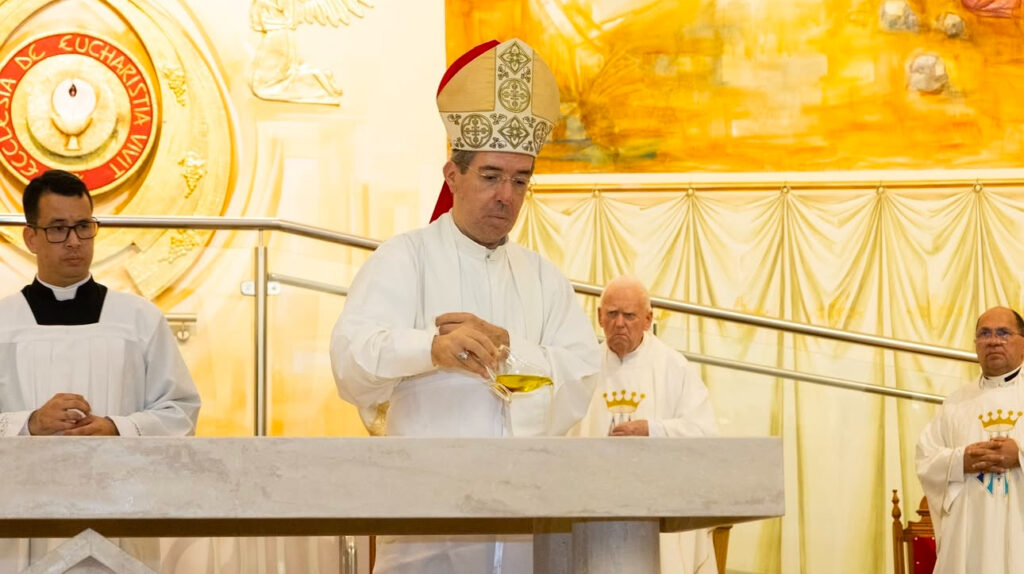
(493, 179)
(1002, 334)
(60, 233)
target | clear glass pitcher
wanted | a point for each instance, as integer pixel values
(515, 375)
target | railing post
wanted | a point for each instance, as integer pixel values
(347, 554)
(260, 390)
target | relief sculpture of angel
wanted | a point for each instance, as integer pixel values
(278, 71)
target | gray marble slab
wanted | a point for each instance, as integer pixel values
(57, 486)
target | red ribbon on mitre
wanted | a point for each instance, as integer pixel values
(444, 199)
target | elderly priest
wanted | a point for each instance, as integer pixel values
(648, 389)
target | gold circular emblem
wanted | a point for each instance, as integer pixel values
(88, 108)
(122, 93)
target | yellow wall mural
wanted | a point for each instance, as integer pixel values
(769, 85)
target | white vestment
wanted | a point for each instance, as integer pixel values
(978, 518)
(380, 352)
(675, 404)
(127, 366)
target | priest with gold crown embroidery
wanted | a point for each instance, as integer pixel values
(454, 331)
(969, 458)
(647, 388)
(78, 359)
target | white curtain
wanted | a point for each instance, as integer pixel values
(914, 264)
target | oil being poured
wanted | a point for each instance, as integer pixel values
(523, 383)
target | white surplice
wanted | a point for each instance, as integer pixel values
(380, 352)
(127, 366)
(675, 404)
(978, 518)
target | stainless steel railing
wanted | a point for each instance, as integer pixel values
(263, 277)
(794, 327)
(812, 378)
(273, 224)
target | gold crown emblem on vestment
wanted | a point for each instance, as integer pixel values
(621, 403)
(1000, 422)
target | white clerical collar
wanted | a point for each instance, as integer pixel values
(64, 293)
(1004, 380)
(466, 245)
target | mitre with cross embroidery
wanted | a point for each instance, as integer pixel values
(497, 97)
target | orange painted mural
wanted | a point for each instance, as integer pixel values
(770, 85)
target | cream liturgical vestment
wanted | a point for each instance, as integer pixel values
(115, 349)
(380, 352)
(674, 403)
(978, 517)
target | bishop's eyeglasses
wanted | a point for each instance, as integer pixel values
(493, 179)
(60, 233)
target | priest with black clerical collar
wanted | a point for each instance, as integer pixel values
(77, 358)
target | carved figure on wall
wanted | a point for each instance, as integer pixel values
(278, 71)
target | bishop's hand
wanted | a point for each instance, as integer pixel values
(464, 347)
(59, 414)
(448, 322)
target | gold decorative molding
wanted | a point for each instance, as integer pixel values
(175, 77)
(193, 168)
(87, 89)
(759, 181)
(181, 242)
(79, 102)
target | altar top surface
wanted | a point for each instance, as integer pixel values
(251, 486)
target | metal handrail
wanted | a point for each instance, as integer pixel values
(815, 379)
(220, 223)
(276, 224)
(698, 357)
(319, 286)
(794, 327)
